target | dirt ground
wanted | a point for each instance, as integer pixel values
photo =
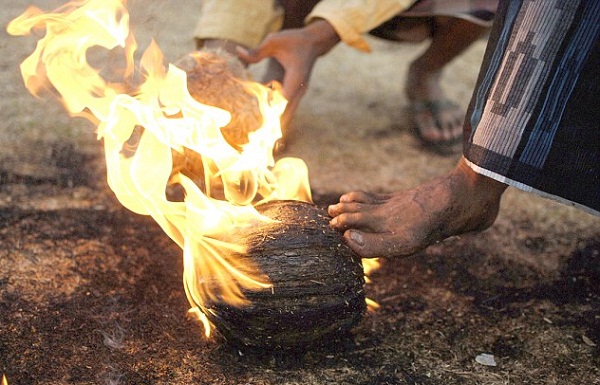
(91, 293)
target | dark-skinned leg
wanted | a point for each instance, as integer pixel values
(437, 119)
(403, 223)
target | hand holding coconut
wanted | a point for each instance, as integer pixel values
(310, 42)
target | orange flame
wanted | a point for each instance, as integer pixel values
(4, 380)
(172, 120)
(369, 266)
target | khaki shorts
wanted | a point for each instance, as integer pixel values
(245, 22)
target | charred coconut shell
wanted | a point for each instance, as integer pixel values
(317, 294)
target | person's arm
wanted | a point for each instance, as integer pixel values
(351, 19)
(331, 21)
(297, 51)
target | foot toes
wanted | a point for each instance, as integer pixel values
(350, 216)
(373, 245)
(362, 197)
(438, 124)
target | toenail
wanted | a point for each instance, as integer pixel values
(357, 238)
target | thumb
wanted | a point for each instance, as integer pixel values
(250, 56)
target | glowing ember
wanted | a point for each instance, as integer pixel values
(147, 119)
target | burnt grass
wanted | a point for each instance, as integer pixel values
(91, 293)
(109, 307)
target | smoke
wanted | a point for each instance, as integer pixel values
(113, 339)
(113, 377)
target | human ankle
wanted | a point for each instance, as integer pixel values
(423, 83)
(481, 193)
(477, 183)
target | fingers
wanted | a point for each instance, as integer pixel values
(273, 45)
(250, 56)
(295, 80)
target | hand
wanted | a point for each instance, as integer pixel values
(296, 50)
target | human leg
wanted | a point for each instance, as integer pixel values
(438, 120)
(402, 223)
(533, 120)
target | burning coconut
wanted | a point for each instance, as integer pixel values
(317, 281)
(260, 261)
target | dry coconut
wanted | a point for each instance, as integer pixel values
(216, 78)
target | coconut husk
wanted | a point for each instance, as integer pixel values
(317, 295)
(216, 78)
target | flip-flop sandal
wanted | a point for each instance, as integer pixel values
(445, 147)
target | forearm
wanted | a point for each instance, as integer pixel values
(352, 18)
(323, 36)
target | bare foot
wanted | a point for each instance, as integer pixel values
(403, 223)
(438, 121)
